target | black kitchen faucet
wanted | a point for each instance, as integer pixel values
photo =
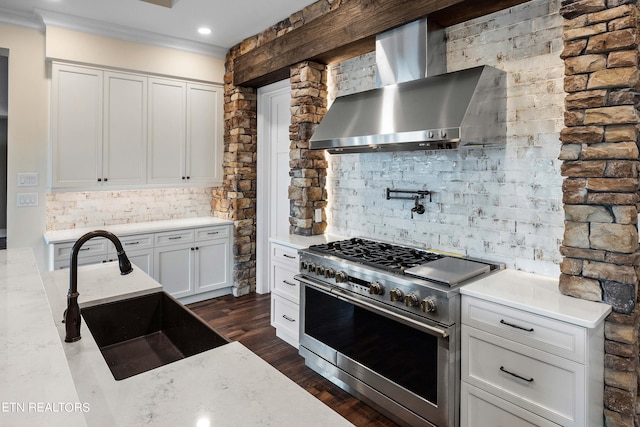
(72, 313)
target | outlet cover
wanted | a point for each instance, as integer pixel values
(27, 200)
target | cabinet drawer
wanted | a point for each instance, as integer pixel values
(136, 242)
(173, 237)
(540, 332)
(284, 254)
(283, 282)
(537, 381)
(209, 233)
(482, 409)
(284, 315)
(91, 248)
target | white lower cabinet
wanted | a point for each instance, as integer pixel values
(482, 409)
(285, 292)
(189, 263)
(536, 358)
(192, 264)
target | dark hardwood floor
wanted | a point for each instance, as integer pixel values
(247, 319)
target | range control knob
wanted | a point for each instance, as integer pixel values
(376, 288)
(303, 265)
(342, 277)
(329, 273)
(311, 267)
(396, 294)
(320, 270)
(429, 305)
(411, 300)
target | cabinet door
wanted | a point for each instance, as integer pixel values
(76, 126)
(143, 259)
(212, 265)
(125, 129)
(204, 134)
(173, 269)
(166, 124)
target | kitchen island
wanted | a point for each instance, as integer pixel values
(48, 382)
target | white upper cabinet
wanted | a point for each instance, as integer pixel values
(112, 129)
(204, 127)
(76, 126)
(167, 114)
(125, 129)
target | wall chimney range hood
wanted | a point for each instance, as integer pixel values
(442, 111)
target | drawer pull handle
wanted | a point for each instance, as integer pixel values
(286, 282)
(213, 232)
(529, 380)
(175, 238)
(288, 318)
(85, 249)
(289, 256)
(516, 326)
(132, 243)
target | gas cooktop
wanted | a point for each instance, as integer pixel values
(381, 255)
(404, 260)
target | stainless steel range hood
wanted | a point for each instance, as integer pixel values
(444, 111)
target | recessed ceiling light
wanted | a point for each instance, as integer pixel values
(204, 31)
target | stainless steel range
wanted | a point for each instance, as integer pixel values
(382, 321)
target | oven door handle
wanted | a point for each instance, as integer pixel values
(340, 294)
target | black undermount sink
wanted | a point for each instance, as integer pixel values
(142, 333)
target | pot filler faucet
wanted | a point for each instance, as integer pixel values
(72, 313)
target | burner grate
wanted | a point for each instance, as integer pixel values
(381, 255)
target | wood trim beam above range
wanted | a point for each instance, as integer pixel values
(349, 31)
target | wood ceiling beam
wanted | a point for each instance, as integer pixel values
(349, 31)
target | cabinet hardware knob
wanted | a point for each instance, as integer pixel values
(516, 326)
(183, 177)
(529, 380)
(99, 179)
(106, 179)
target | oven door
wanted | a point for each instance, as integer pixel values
(406, 361)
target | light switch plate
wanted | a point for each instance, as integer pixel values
(27, 199)
(27, 179)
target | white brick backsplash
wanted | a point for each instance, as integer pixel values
(100, 208)
(502, 204)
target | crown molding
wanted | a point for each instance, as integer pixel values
(120, 32)
(21, 19)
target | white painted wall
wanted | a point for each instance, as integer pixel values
(502, 204)
(27, 133)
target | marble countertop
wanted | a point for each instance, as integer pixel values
(537, 294)
(300, 242)
(71, 235)
(70, 383)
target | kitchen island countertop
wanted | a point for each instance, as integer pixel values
(70, 384)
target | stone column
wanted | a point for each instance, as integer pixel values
(236, 198)
(308, 172)
(600, 190)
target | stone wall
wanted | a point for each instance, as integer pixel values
(235, 200)
(308, 172)
(600, 163)
(99, 208)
